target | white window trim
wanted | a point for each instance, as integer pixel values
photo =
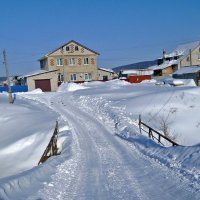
(86, 58)
(89, 75)
(71, 60)
(58, 61)
(73, 77)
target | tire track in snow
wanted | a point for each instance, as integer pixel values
(117, 174)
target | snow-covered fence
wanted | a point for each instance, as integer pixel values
(152, 133)
(52, 148)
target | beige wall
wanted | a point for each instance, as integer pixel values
(167, 71)
(102, 73)
(195, 61)
(53, 76)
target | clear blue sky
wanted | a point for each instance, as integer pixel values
(122, 31)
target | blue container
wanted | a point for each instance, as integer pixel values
(15, 88)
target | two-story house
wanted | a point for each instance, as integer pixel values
(71, 62)
(182, 56)
(75, 62)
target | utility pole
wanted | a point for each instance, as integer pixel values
(8, 77)
(63, 59)
(190, 57)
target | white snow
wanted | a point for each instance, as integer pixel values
(103, 154)
(138, 72)
(64, 87)
(163, 65)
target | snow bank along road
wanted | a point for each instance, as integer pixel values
(103, 165)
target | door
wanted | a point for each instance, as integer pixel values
(43, 84)
(105, 78)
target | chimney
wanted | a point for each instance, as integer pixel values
(164, 55)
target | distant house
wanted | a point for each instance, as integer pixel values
(106, 74)
(191, 72)
(184, 55)
(136, 75)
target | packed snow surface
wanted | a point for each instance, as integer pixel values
(104, 156)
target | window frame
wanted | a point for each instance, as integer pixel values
(67, 48)
(89, 76)
(59, 61)
(84, 61)
(60, 77)
(73, 77)
(76, 48)
(70, 61)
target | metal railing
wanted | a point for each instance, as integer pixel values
(152, 132)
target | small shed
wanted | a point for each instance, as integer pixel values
(190, 72)
(136, 75)
(106, 74)
(47, 81)
(166, 68)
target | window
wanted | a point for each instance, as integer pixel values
(67, 48)
(60, 77)
(88, 77)
(76, 48)
(199, 56)
(43, 64)
(73, 77)
(188, 59)
(72, 61)
(86, 61)
(59, 62)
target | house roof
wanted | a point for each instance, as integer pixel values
(164, 65)
(187, 70)
(107, 70)
(183, 49)
(36, 72)
(138, 72)
(45, 56)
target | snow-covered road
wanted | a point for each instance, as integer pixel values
(104, 166)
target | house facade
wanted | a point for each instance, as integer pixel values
(74, 61)
(182, 56)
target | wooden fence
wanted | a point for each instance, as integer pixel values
(51, 148)
(152, 133)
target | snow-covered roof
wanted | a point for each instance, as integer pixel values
(187, 70)
(36, 72)
(138, 71)
(164, 65)
(107, 70)
(183, 49)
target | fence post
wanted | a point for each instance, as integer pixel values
(159, 138)
(150, 133)
(140, 123)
